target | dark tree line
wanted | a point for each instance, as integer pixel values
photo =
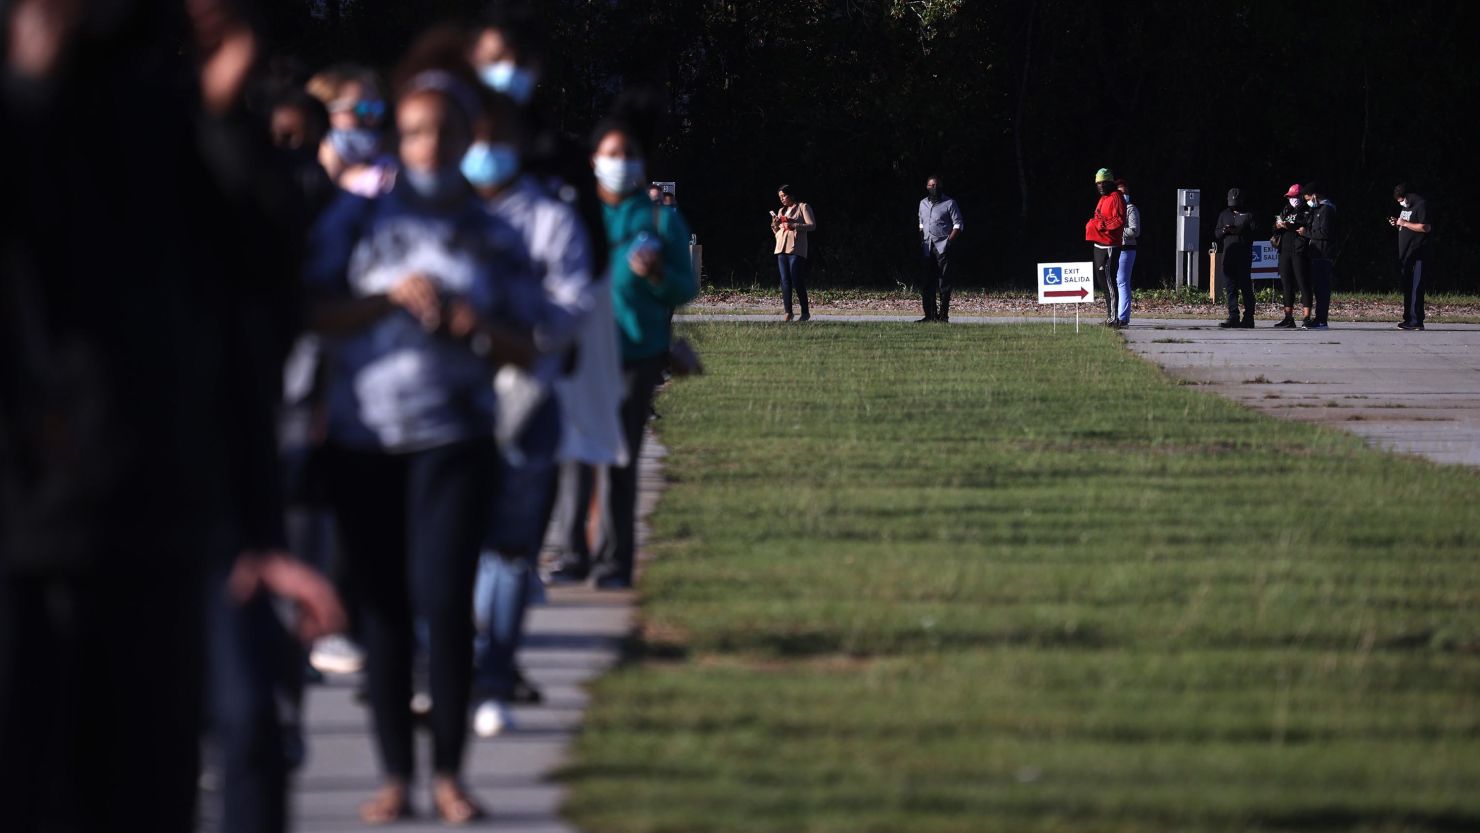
(1014, 104)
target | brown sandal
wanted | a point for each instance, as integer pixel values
(453, 803)
(389, 804)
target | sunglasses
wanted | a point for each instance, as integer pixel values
(370, 110)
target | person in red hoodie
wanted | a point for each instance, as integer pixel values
(1106, 230)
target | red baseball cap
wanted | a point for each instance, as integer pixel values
(1294, 190)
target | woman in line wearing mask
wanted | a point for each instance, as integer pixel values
(508, 47)
(651, 275)
(352, 153)
(1289, 238)
(541, 421)
(423, 292)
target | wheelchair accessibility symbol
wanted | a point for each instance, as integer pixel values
(1051, 277)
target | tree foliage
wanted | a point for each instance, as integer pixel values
(1015, 105)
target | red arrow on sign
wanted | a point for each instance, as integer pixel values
(1066, 293)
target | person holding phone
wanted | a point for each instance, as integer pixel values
(1234, 235)
(1413, 228)
(791, 226)
(1289, 237)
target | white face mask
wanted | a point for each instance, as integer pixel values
(619, 176)
(1294, 202)
(1403, 203)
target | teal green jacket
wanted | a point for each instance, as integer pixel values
(643, 309)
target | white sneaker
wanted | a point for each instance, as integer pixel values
(336, 655)
(491, 718)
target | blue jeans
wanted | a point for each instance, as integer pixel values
(793, 271)
(1123, 284)
(507, 578)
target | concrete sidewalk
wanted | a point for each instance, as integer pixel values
(569, 642)
(1415, 392)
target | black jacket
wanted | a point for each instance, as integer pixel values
(1234, 230)
(1320, 235)
(1289, 240)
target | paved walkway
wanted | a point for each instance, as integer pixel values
(569, 642)
(1410, 392)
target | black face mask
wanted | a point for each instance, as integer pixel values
(933, 193)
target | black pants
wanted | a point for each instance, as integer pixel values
(411, 526)
(576, 484)
(936, 279)
(1321, 271)
(1295, 274)
(101, 697)
(1238, 282)
(1107, 269)
(1412, 277)
(642, 378)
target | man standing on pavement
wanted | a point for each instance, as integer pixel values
(940, 224)
(1320, 240)
(1413, 228)
(1234, 235)
(1106, 231)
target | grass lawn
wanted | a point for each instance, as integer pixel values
(991, 579)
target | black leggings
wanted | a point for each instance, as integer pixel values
(411, 526)
(1107, 269)
(1295, 272)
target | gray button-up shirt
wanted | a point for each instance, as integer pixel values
(937, 220)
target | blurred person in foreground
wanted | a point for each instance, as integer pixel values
(139, 510)
(651, 275)
(354, 153)
(509, 46)
(529, 423)
(424, 293)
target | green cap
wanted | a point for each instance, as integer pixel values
(1104, 175)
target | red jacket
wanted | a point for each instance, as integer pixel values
(1105, 227)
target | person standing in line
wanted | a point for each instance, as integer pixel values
(1234, 234)
(940, 224)
(1129, 239)
(1320, 241)
(1414, 228)
(1106, 230)
(791, 226)
(353, 152)
(424, 291)
(529, 431)
(509, 47)
(651, 275)
(1289, 238)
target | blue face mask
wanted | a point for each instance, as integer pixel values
(490, 165)
(355, 145)
(510, 79)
